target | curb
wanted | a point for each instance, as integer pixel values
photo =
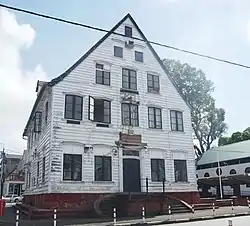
(184, 220)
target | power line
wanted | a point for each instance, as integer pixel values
(104, 30)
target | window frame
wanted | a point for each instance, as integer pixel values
(73, 159)
(175, 118)
(46, 112)
(154, 120)
(130, 114)
(185, 177)
(73, 108)
(128, 31)
(158, 165)
(129, 71)
(141, 56)
(103, 71)
(104, 160)
(120, 48)
(91, 109)
(155, 80)
(38, 122)
(43, 169)
(38, 171)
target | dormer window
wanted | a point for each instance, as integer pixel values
(38, 122)
(128, 31)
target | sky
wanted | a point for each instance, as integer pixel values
(33, 48)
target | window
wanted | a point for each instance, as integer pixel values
(72, 167)
(180, 168)
(103, 168)
(99, 110)
(232, 171)
(154, 118)
(153, 83)
(129, 79)
(157, 169)
(130, 114)
(118, 51)
(138, 56)
(218, 171)
(247, 170)
(128, 31)
(37, 172)
(46, 112)
(38, 122)
(206, 175)
(43, 170)
(102, 75)
(73, 107)
(176, 121)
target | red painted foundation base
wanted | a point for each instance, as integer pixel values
(85, 203)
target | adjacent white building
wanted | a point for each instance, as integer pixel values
(231, 163)
(110, 121)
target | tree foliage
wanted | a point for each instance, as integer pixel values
(235, 137)
(207, 120)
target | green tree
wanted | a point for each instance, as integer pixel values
(207, 120)
(246, 134)
(224, 141)
(236, 137)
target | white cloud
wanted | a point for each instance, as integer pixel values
(17, 86)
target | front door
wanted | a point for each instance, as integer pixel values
(131, 175)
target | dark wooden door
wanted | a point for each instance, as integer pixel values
(131, 175)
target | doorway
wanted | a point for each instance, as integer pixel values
(131, 175)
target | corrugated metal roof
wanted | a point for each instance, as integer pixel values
(226, 152)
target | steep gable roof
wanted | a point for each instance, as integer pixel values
(70, 69)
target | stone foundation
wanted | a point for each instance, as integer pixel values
(84, 201)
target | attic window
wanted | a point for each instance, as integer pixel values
(128, 31)
(38, 122)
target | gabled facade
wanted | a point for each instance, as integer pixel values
(114, 122)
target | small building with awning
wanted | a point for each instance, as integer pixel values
(225, 171)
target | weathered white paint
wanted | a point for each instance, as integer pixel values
(64, 138)
(42, 145)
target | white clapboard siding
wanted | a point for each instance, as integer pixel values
(161, 143)
(81, 81)
(42, 147)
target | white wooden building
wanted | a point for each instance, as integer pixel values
(110, 121)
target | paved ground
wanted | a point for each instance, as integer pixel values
(9, 218)
(236, 221)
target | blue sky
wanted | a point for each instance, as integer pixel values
(217, 28)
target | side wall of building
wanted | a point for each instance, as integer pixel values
(37, 165)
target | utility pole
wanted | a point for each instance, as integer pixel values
(2, 172)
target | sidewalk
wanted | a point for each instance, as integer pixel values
(9, 218)
(199, 215)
